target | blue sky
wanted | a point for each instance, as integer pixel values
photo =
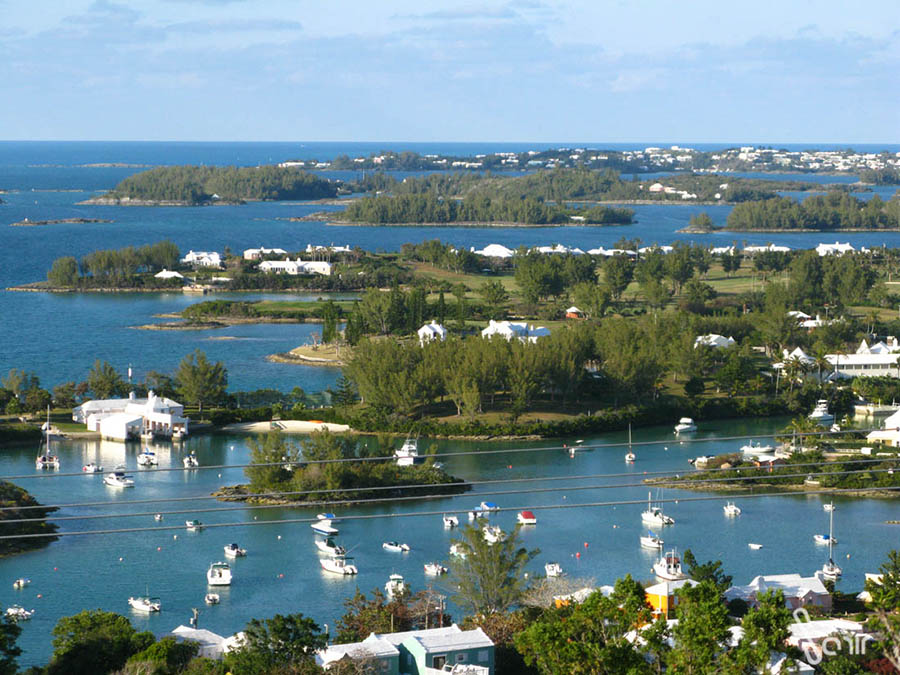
(517, 70)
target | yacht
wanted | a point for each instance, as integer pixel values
(492, 534)
(218, 574)
(395, 586)
(685, 426)
(338, 566)
(328, 546)
(145, 604)
(158, 517)
(435, 569)
(820, 412)
(327, 516)
(408, 454)
(755, 547)
(831, 570)
(553, 569)
(668, 567)
(652, 541)
(21, 583)
(18, 613)
(235, 551)
(732, 509)
(487, 507)
(46, 462)
(825, 540)
(178, 434)
(457, 550)
(117, 478)
(395, 547)
(193, 525)
(474, 514)
(211, 599)
(450, 521)
(527, 518)
(147, 458)
(756, 449)
(654, 515)
(190, 461)
(92, 468)
(324, 527)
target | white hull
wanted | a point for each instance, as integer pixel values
(324, 527)
(652, 543)
(434, 569)
(394, 547)
(553, 570)
(337, 566)
(211, 599)
(451, 521)
(656, 518)
(233, 551)
(118, 481)
(218, 574)
(144, 604)
(755, 547)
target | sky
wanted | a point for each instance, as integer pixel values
(785, 71)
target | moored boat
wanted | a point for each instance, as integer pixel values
(685, 426)
(825, 540)
(144, 604)
(395, 586)
(117, 478)
(147, 458)
(488, 507)
(193, 525)
(654, 515)
(820, 413)
(211, 599)
(450, 521)
(553, 569)
(493, 534)
(668, 567)
(190, 461)
(731, 509)
(234, 551)
(408, 454)
(828, 508)
(219, 574)
(19, 613)
(338, 565)
(20, 583)
(435, 569)
(329, 547)
(757, 449)
(527, 518)
(327, 516)
(46, 462)
(92, 468)
(457, 550)
(652, 541)
(755, 547)
(324, 527)
(395, 547)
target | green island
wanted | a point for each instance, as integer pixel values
(18, 504)
(833, 212)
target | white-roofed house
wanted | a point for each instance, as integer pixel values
(168, 274)
(212, 645)
(257, 253)
(115, 418)
(432, 331)
(202, 259)
(714, 340)
(889, 434)
(374, 651)
(798, 591)
(772, 248)
(809, 635)
(295, 267)
(519, 329)
(834, 249)
(495, 251)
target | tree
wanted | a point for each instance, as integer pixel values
(766, 629)
(15, 381)
(592, 298)
(267, 452)
(886, 607)
(495, 297)
(459, 292)
(490, 577)
(64, 272)
(104, 380)
(94, 641)
(364, 616)
(618, 272)
(701, 631)
(160, 383)
(330, 320)
(708, 571)
(37, 400)
(280, 644)
(9, 633)
(198, 380)
(64, 395)
(166, 657)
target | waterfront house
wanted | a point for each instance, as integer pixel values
(310, 248)
(509, 330)
(432, 331)
(211, 645)
(662, 597)
(494, 251)
(168, 274)
(834, 249)
(880, 359)
(581, 595)
(123, 418)
(202, 259)
(259, 253)
(798, 591)
(295, 267)
(769, 248)
(889, 434)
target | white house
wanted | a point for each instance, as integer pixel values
(798, 591)
(494, 251)
(656, 249)
(889, 434)
(121, 418)
(714, 340)
(750, 250)
(509, 330)
(212, 645)
(257, 253)
(202, 259)
(168, 274)
(310, 248)
(834, 249)
(810, 635)
(721, 250)
(558, 248)
(295, 267)
(432, 331)
(880, 359)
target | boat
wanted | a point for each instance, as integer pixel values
(395, 547)
(178, 434)
(828, 508)
(327, 516)
(147, 458)
(825, 540)
(193, 525)
(190, 461)
(338, 565)
(630, 456)
(46, 462)
(527, 518)
(652, 541)
(395, 586)
(435, 569)
(831, 570)
(20, 583)
(820, 412)
(473, 514)
(158, 517)
(457, 550)
(328, 546)
(234, 551)
(654, 515)
(144, 604)
(755, 547)
(450, 521)
(218, 574)
(668, 567)
(408, 454)
(702, 461)
(492, 534)
(553, 570)
(117, 478)
(19, 613)
(685, 426)
(323, 527)
(757, 449)
(92, 468)
(211, 599)
(487, 507)
(732, 509)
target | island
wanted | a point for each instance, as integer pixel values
(27, 222)
(18, 504)
(835, 211)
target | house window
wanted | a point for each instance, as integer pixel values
(438, 661)
(461, 657)
(483, 656)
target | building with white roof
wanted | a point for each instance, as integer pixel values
(558, 248)
(168, 274)
(432, 331)
(494, 251)
(212, 645)
(261, 252)
(880, 359)
(202, 259)
(809, 635)
(714, 340)
(123, 418)
(509, 330)
(295, 267)
(834, 249)
(798, 591)
(771, 248)
(311, 248)
(656, 249)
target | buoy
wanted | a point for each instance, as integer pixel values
(585, 544)
(55, 568)
(564, 496)
(281, 576)
(509, 466)
(578, 555)
(120, 559)
(848, 556)
(220, 475)
(231, 448)
(279, 536)
(39, 595)
(174, 536)
(666, 448)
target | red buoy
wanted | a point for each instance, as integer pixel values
(578, 555)
(585, 544)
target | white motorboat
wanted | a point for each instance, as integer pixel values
(92, 468)
(21, 583)
(731, 509)
(828, 508)
(395, 547)
(756, 449)
(457, 550)
(831, 570)
(474, 514)
(652, 541)
(190, 461)
(527, 518)
(330, 547)
(435, 569)
(668, 567)
(144, 604)
(117, 478)
(820, 413)
(685, 426)
(218, 574)
(395, 586)
(324, 527)
(825, 540)
(147, 458)
(328, 516)
(19, 613)
(492, 534)
(46, 462)
(450, 521)
(755, 547)
(234, 551)
(338, 566)
(488, 507)
(553, 569)
(654, 515)
(158, 517)
(211, 599)
(193, 525)
(408, 454)
(702, 461)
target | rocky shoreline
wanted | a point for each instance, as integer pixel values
(60, 221)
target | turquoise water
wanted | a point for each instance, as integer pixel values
(101, 571)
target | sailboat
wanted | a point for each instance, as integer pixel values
(47, 460)
(629, 456)
(654, 515)
(831, 570)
